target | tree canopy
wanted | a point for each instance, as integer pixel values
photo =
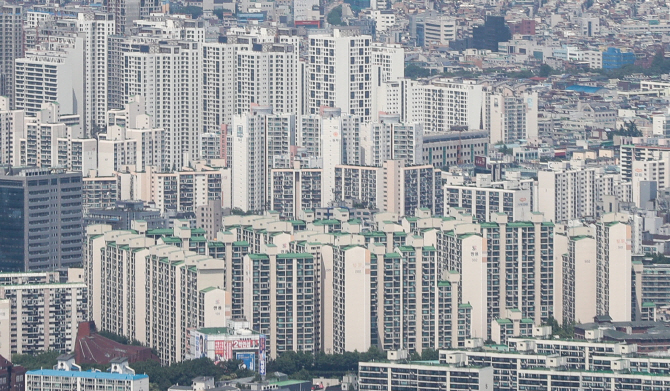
(335, 16)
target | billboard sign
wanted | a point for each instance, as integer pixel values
(248, 359)
(261, 355)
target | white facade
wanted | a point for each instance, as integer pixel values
(613, 295)
(389, 139)
(132, 279)
(259, 141)
(48, 311)
(60, 64)
(11, 127)
(336, 83)
(169, 78)
(96, 27)
(513, 115)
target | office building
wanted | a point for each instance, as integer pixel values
(41, 211)
(11, 41)
(123, 264)
(46, 311)
(233, 342)
(68, 376)
(615, 58)
(438, 30)
(452, 148)
(488, 35)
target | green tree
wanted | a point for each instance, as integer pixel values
(414, 71)
(42, 360)
(335, 16)
(546, 70)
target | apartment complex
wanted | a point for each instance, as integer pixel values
(122, 268)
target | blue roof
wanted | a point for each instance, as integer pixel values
(86, 374)
(587, 89)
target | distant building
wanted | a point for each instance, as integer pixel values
(121, 215)
(488, 35)
(615, 58)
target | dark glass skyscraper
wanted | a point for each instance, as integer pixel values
(488, 35)
(41, 220)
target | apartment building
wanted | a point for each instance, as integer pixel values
(406, 189)
(45, 311)
(572, 191)
(68, 376)
(513, 115)
(54, 64)
(121, 268)
(389, 139)
(11, 25)
(336, 83)
(423, 376)
(11, 125)
(96, 27)
(358, 185)
(168, 76)
(127, 11)
(484, 199)
(504, 281)
(613, 267)
(297, 189)
(99, 192)
(185, 191)
(41, 212)
(117, 46)
(529, 363)
(259, 142)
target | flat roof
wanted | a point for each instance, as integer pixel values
(86, 374)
